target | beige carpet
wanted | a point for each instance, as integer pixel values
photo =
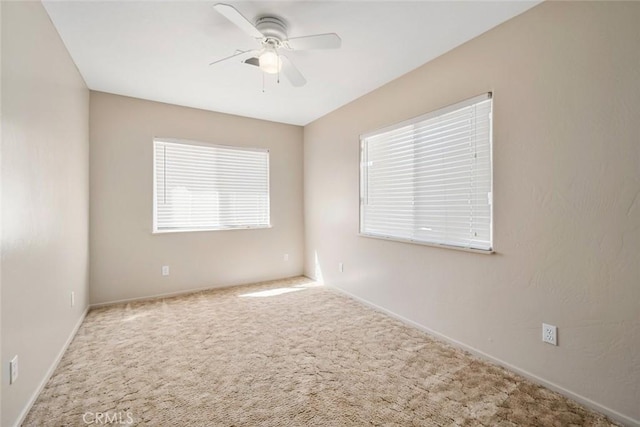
(283, 353)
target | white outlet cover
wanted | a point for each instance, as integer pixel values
(13, 370)
(165, 270)
(550, 334)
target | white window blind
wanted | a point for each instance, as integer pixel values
(429, 180)
(209, 187)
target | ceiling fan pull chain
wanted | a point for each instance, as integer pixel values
(262, 81)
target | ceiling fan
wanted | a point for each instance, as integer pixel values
(271, 32)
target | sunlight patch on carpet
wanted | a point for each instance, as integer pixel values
(270, 292)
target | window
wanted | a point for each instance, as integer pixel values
(428, 180)
(209, 187)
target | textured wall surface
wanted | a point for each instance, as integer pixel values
(45, 199)
(126, 258)
(566, 194)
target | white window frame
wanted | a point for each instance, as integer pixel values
(408, 227)
(156, 229)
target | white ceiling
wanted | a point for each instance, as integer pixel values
(160, 50)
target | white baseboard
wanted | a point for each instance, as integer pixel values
(614, 415)
(185, 292)
(51, 370)
(156, 296)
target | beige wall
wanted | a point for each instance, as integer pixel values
(45, 200)
(126, 258)
(565, 78)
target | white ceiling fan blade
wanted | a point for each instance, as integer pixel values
(292, 73)
(318, 41)
(240, 56)
(236, 17)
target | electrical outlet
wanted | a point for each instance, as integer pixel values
(341, 267)
(13, 370)
(165, 270)
(286, 257)
(549, 334)
(73, 298)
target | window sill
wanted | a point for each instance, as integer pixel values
(191, 230)
(433, 245)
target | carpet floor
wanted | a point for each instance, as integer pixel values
(282, 353)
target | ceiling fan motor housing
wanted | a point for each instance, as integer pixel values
(272, 28)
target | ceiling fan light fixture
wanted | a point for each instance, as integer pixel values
(270, 61)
